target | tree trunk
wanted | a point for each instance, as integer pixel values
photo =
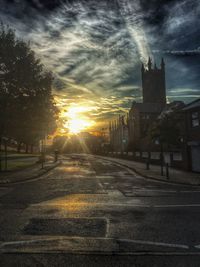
(32, 149)
(19, 147)
(27, 146)
(6, 155)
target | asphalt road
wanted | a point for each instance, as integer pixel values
(92, 212)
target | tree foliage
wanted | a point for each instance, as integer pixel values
(167, 128)
(27, 108)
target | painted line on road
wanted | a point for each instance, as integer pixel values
(187, 191)
(164, 191)
(130, 241)
(176, 206)
(40, 245)
(87, 204)
(143, 242)
(154, 190)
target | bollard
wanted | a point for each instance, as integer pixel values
(161, 164)
(162, 170)
(167, 170)
(6, 156)
(41, 159)
(147, 164)
(56, 155)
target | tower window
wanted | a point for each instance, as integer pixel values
(195, 119)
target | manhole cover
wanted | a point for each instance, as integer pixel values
(90, 227)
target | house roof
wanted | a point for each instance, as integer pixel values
(192, 105)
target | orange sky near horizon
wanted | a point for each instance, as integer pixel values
(78, 117)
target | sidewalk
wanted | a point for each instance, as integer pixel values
(175, 175)
(26, 174)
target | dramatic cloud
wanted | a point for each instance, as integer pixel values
(95, 48)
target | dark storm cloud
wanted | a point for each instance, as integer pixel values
(95, 48)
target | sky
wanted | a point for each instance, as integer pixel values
(95, 49)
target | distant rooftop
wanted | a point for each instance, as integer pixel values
(192, 105)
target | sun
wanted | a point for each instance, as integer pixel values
(77, 125)
(77, 119)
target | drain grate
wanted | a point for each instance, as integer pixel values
(84, 227)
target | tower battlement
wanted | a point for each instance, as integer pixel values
(153, 83)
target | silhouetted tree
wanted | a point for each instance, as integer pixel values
(167, 128)
(27, 108)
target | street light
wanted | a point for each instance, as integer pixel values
(157, 142)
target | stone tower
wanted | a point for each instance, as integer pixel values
(153, 83)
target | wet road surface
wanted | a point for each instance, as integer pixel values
(98, 213)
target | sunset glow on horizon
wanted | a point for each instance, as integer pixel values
(77, 119)
(95, 52)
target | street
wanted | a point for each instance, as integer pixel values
(90, 211)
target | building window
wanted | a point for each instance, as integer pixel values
(195, 119)
(146, 117)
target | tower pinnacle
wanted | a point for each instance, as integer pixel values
(142, 68)
(162, 63)
(149, 64)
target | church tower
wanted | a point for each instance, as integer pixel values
(153, 83)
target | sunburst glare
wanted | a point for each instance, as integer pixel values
(77, 119)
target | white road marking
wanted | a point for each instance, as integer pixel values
(154, 190)
(176, 206)
(80, 240)
(165, 191)
(189, 191)
(143, 242)
(87, 204)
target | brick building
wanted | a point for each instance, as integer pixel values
(119, 135)
(192, 136)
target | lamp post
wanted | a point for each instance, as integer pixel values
(157, 142)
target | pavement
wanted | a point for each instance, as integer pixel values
(27, 173)
(91, 211)
(175, 175)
